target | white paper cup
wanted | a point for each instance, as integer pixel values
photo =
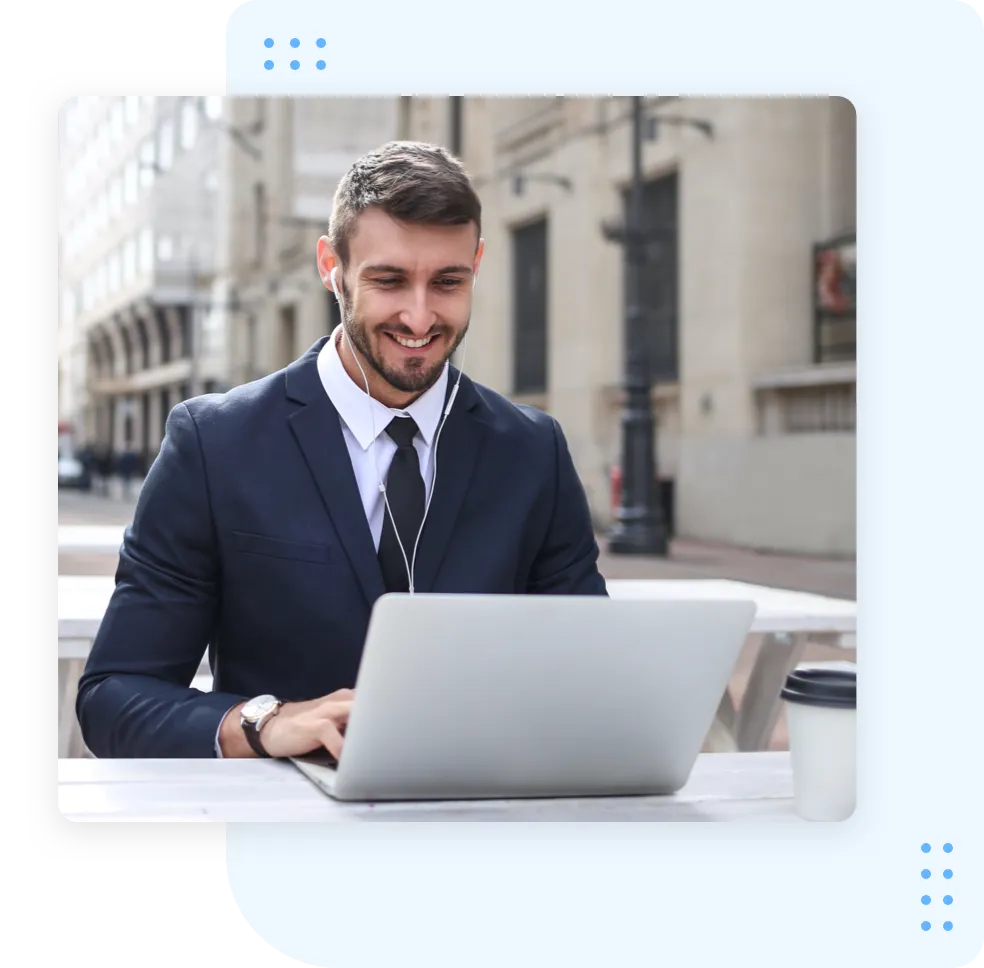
(821, 711)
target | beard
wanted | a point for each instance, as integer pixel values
(415, 376)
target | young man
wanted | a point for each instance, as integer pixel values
(261, 532)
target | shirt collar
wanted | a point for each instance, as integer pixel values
(349, 399)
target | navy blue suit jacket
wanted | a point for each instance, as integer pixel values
(250, 539)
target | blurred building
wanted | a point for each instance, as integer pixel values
(138, 181)
(748, 291)
(275, 203)
(188, 236)
(188, 230)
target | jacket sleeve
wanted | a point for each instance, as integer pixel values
(567, 562)
(135, 698)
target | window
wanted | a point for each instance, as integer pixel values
(146, 251)
(213, 108)
(68, 308)
(165, 145)
(288, 334)
(129, 261)
(115, 197)
(530, 308)
(116, 121)
(189, 124)
(130, 183)
(148, 161)
(660, 302)
(131, 109)
(259, 223)
(165, 248)
(114, 274)
(102, 211)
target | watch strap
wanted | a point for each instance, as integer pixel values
(253, 738)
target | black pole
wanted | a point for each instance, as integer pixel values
(639, 527)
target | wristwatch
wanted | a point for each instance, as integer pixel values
(254, 716)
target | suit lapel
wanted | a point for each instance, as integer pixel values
(458, 450)
(318, 431)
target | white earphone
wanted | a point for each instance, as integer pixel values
(412, 561)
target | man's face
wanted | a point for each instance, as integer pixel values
(406, 295)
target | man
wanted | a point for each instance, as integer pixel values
(261, 532)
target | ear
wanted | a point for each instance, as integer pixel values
(478, 257)
(327, 261)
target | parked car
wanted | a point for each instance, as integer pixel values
(72, 473)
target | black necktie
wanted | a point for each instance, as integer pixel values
(405, 490)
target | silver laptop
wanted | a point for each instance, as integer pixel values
(463, 697)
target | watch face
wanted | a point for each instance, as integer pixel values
(257, 707)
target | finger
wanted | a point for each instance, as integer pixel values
(341, 694)
(339, 713)
(332, 740)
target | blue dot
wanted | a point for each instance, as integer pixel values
(268, 65)
(947, 848)
(948, 874)
(925, 875)
(948, 899)
(268, 42)
(295, 42)
(925, 848)
(294, 65)
(926, 925)
(320, 65)
(947, 925)
(926, 899)
(320, 41)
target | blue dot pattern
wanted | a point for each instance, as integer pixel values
(268, 42)
(320, 65)
(295, 42)
(947, 899)
(320, 41)
(294, 65)
(268, 65)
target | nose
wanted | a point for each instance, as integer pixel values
(418, 313)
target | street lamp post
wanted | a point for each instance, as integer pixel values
(639, 527)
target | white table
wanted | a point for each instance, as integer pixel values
(722, 787)
(786, 621)
(82, 602)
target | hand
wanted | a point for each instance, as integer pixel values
(302, 727)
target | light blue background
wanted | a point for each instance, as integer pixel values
(702, 894)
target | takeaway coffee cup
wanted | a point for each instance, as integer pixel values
(821, 710)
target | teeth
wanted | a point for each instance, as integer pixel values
(413, 343)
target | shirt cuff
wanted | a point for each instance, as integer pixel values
(218, 748)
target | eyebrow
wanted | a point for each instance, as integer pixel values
(396, 270)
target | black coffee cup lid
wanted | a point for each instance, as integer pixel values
(836, 688)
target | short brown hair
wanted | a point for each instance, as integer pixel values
(410, 181)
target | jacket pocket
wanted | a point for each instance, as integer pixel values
(259, 544)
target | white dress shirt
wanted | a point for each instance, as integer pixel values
(357, 420)
(364, 419)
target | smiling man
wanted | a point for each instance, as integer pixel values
(278, 513)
